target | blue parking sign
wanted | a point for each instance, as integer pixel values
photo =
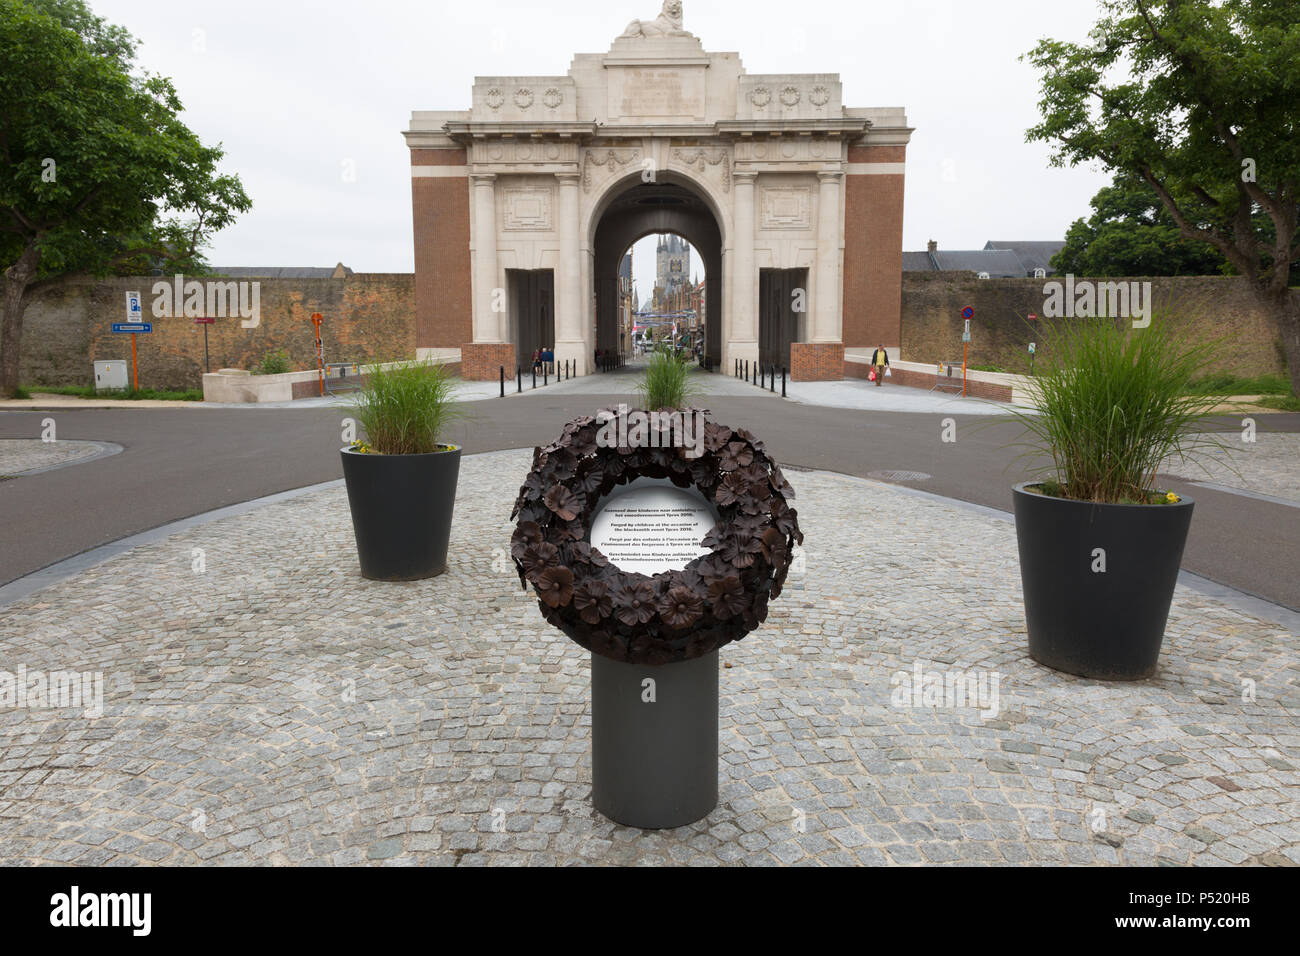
(134, 307)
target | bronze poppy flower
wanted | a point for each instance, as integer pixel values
(734, 487)
(737, 454)
(636, 603)
(583, 553)
(584, 442)
(593, 601)
(555, 586)
(527, 534)
(681, 607)
(538, 557)
(774, 546)
(562, 501)
(727, 596)
(715, 436)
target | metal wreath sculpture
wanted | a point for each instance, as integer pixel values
(674, 615)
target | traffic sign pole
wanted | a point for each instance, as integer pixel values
(316, 319)
(967, 313)
(135, 368)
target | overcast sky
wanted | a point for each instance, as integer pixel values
(303, 93)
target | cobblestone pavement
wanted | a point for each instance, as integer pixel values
(1270, 465)
(18, 455)
(265, 704)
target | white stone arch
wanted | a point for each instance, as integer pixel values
(606, 193)
(711, 206)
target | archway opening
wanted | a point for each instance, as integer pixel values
(665, 301)
(651, 210)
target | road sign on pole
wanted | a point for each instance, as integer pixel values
(134, 328)
(316, 320)
(134, 307)
(205, 321)
(967, 313)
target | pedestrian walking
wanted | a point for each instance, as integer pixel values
(879, 363)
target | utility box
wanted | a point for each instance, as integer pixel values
(110, 375)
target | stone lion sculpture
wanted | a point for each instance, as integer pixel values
(667, 24)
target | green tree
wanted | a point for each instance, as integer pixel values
(96, 168)
(1130, 233)
(1199, 100)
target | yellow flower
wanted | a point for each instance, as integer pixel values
(1172, 498)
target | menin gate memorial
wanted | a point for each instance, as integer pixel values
(525, 203)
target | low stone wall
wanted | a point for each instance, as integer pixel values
(368, 317)
(990, 385)
(237, 386)
(1204, 307)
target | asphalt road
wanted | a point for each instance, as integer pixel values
(178, 463)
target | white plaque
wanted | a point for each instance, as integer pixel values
(652, 528)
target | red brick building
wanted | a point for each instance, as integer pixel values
(526, 203)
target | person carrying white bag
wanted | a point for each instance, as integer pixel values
(880, 365)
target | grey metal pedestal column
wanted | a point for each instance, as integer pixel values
(654, 765)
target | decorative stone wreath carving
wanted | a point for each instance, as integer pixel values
(605, 157)
(698, 158)
(820, 96)
(495, 98)
(523, 97)
(674, 615)
(790, 96)
(760, 96)
(552, 98)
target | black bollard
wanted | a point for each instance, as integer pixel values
(503, 381)
(534, 376)
(519, 374)
(771, 379)
(546, 373)
(783, 381)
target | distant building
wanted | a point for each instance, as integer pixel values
(672, 273)
(998, 259)
(626, 303)
(772, 172)
(339, 271)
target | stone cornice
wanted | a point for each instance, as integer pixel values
(850, 128)
(466, 133)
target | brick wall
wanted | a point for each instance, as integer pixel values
(482, 362)
(1206, 306)
(443, 291)
(915, 379)
(368, 317)
(873, 242)
(816, 361)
